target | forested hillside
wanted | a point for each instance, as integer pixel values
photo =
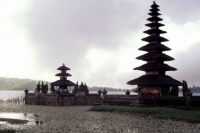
(195, 89)
(22, 84)
(17, 84)
(95, 88)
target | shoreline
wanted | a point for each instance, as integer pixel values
(79, 119)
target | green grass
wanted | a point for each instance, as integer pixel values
(171, 113)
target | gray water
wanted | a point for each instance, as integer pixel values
(20, 116)
(5, 95)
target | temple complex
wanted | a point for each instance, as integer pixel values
(155, 81)
(60, 94)
(155, 88)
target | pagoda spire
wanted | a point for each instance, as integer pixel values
(63, 74)
(154, 68)
(63, 83)
(155, 57)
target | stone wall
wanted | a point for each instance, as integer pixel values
(47, 99)
(119, 100)
(150, 100)
(122, 100)
(61, 100)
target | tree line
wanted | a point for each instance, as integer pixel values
(21, 84)
(195, 89)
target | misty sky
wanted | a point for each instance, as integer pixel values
(97, 39)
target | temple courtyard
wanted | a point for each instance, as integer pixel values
(78, 119)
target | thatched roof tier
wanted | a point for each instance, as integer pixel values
(154, 19)
(154, 24)
(155, 80)
(155, 31)
(154, 13)
(155, 56)
(154, 46)
(63, 83)
(63, 74)
(63, 67)
(154, 10)
(154, 38)
(156, 66)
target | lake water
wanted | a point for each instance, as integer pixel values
(4, 95)
(12, 117)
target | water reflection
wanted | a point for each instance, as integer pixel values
(17, 118)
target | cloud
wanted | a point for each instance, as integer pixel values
(180, 11)
(98, 40)
(66, 31)
(188, 65)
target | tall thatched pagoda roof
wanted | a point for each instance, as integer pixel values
(154, 5)
(154, 19)
(155, 67)
(154, 46)
(154, 24)
(155, 56)
(155, 80)
(154, 38)
(153, 31)
(156, 13)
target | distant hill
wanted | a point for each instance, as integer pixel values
(195, 89)
(21, 84)
(95, 88)
(17, 84)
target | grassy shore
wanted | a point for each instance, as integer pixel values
(169, 113)
(78, 119)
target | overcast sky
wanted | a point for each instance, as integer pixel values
(97, 39)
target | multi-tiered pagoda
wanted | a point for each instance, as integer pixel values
(155, 81)
(63, 83)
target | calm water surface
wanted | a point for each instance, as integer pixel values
(4, 95)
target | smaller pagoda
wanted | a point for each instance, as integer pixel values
(63, 83)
